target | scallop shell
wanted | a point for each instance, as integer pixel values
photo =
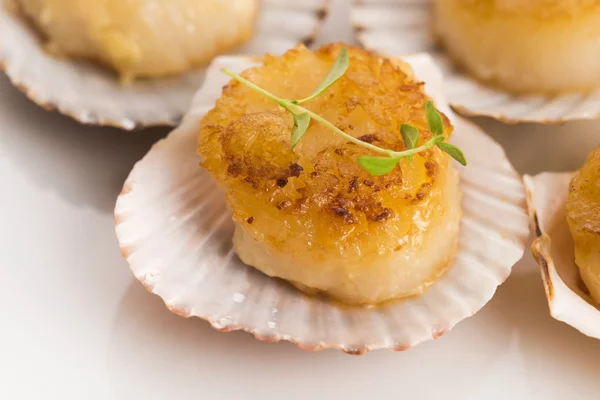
(403, 27)
(92, 95)
(553, 248)
(175, 231)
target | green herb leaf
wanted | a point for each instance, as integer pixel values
(454, 152)
(301, 123)
(410, 135)
(338, 69)
(378, 165)
(434, 119)
(374, 165)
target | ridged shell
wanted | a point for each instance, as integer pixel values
(553, 248)
(175, 231)
(404, 27)
(91, 95)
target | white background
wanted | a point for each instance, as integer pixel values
(75, 325)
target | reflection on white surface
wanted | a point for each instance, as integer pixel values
(512, 349)
(537, 148)
(84, 165)
(75, 325)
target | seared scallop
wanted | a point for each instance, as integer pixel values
(312, 215)
(143, 38)
(583, 216)
(539, 46)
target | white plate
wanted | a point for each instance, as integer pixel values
(94, 96)
(76, 325)
(404, 27)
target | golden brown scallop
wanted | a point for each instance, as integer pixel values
(143, 38)
(540, 46)
(313, 216)
(583, 216)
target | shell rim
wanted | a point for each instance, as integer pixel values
(358, 351)
(94, 120)
(540, 253)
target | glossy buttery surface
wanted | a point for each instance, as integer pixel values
(76, 324)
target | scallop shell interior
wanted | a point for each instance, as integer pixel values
(553, 248)
(92, 95)
(175, 231)
(404, 27)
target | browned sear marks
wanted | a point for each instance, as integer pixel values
(318, 187)
(369, 138)
(385, 214)
(353, 186)
(281, 182)
(295, 170)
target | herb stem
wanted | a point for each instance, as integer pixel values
(374, 165)
(253, 86)
(393, 154)
(340, 132)
(293, 107)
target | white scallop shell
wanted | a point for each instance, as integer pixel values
(553, 248)
(175, 231)
(92, 95)
(404, 27)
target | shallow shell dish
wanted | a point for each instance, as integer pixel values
(175, 231)
(553, 248)
(93, 95)
(406, 27)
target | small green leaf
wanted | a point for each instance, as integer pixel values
(301, 123)
(378, 165)
(338, 69)
(434, 119)
(410, 135)
(454, 152)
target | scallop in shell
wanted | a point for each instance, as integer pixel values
(406, 26)
(175, 231)
(568, 297)
(92, 95)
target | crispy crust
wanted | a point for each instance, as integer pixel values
(245, 144)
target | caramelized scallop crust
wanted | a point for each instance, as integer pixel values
(583, 216)
(314, 203)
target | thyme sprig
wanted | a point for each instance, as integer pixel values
(373, 164)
